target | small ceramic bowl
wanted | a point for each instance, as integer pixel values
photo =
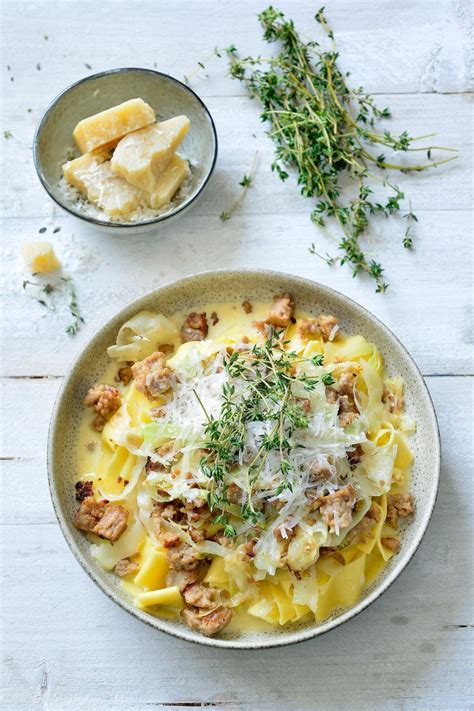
(192, 293)
(53, 141)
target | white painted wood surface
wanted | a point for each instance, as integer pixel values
(64, 644)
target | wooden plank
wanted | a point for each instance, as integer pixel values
(412, 46)
(242, 134)
(423, 307)
(66, 646)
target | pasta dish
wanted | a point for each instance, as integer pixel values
(244, 465)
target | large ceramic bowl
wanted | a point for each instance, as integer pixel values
(193, 292)
(53, 141)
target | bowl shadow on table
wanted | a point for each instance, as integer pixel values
(401, 639)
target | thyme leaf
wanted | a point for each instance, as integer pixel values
(246, 182)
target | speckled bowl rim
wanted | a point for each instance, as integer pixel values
(107, 223)
(298, 635)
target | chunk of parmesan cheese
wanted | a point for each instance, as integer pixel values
(81, 172)
(39, 257)
(94, 179)
(112, 124)
(168, 182)
(141, 156)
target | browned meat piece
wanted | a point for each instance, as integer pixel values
(98, 423)
(89, 514)
(392, 543)
(124, 375)
(196, 510)
(104, 399)
(336, 509)
(326, 325)
(348, 411)
(199, 595)
(365, 525)
(305, 404)
(209, 624)
(152, 377)
(330, 552)
(399, 506)
(214, 318)
(152, 466)
(355, 456)
(234, 493)
(83, 490)
(331, 396)
(247, 307)
(113, 522)
(346, 383)
(281, 311)
(319, 472)
(395, 402)
(165, 448)
(169, 539)
(195, 327)
(183, 557)
(196, 534)
(166, 348)
(105, 520)
(181, 578)
(163, 512)
(125, 567)
(249, 548)
(308, 328)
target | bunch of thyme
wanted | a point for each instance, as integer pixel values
(325, 129)
(267, 374)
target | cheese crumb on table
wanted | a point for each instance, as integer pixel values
(112, 124)
(141, 156)
(39, 257)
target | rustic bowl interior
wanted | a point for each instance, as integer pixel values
(54, 144)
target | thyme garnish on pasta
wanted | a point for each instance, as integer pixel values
(267, 375)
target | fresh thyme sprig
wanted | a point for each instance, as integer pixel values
(48, 289)
(265, 375)
(325, 129)
(217, 52)
(408, 237)
(74, 326)
(246, 182)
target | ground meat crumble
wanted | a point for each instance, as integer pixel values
(105, 400)
(195, 327)
(336, 509)
(152, 376)
(106, 520)
(399, 506)
(83, 490)
(281, 312)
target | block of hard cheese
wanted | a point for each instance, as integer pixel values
(80, 172)
(141, 156)
(39, 257)
(112, 124)
(168, 182)
(94, 179)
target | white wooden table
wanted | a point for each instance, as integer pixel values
(64, 644)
